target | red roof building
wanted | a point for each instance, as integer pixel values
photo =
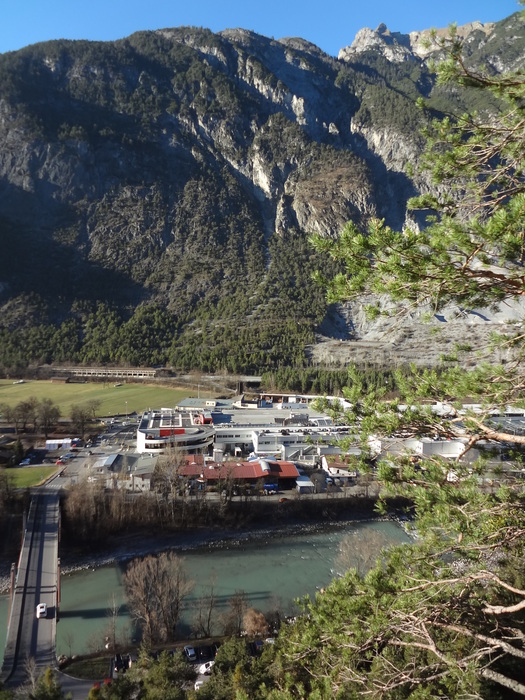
(272, 471)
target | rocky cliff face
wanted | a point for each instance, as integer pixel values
(397, 47)
(181, 167)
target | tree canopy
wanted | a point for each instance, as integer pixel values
(442, 618)
(156, 587)
(470, 253)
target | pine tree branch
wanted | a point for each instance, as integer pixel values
(502, 680)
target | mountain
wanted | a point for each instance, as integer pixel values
(157, 192)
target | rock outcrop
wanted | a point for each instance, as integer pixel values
(397, 47)
(169, 167)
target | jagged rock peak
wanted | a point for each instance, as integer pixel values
(394, 46)
(418, 40)
(398, 47)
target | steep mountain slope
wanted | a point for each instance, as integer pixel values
(156, 192)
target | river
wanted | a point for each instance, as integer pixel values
(273, 569)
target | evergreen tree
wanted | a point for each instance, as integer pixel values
(444, 617)
(47, 687)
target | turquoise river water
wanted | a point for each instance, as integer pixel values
(272, 570)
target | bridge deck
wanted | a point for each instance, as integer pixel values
(36, 582)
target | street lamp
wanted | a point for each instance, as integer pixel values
(126, 410)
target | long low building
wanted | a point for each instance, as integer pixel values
(193, 473)
(270, 475)
(107, 372)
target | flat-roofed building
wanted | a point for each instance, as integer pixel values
(165, 429)
(108, 372)
(237, 431)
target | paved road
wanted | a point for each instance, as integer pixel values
(36, 582)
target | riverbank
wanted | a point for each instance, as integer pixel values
(272, 569)
(212, 540)
(324, 514)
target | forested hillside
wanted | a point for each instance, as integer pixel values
(441, 617)
(157, 193)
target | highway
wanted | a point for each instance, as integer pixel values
(36, 582)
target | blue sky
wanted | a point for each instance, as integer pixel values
(330, 24)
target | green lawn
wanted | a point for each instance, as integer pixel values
(90, 668)
(25, 477)
(113, 399)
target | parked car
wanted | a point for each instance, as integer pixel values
(122, 662)
(189, 653)
(205, 653)
(41, 610)
(25, 462)
(205, 668)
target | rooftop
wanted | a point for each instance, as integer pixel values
(256, 469)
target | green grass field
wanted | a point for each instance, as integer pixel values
(25, 477)
(113, 399)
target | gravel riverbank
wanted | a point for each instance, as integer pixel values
(127, 546)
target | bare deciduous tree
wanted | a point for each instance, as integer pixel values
(93, 406)
(156, 587)
(48, 414)
(166, 476)
(28, 412)
(206, 612)
(112, 614)
(31, 670)
(360, 550)
(80, 417)
(69, 639)
(234, 617)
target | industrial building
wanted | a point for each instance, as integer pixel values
(168, 429)
(235, 428)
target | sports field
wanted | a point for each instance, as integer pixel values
(114, 399)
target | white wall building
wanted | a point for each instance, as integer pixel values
(425, 447)
(162, 430)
